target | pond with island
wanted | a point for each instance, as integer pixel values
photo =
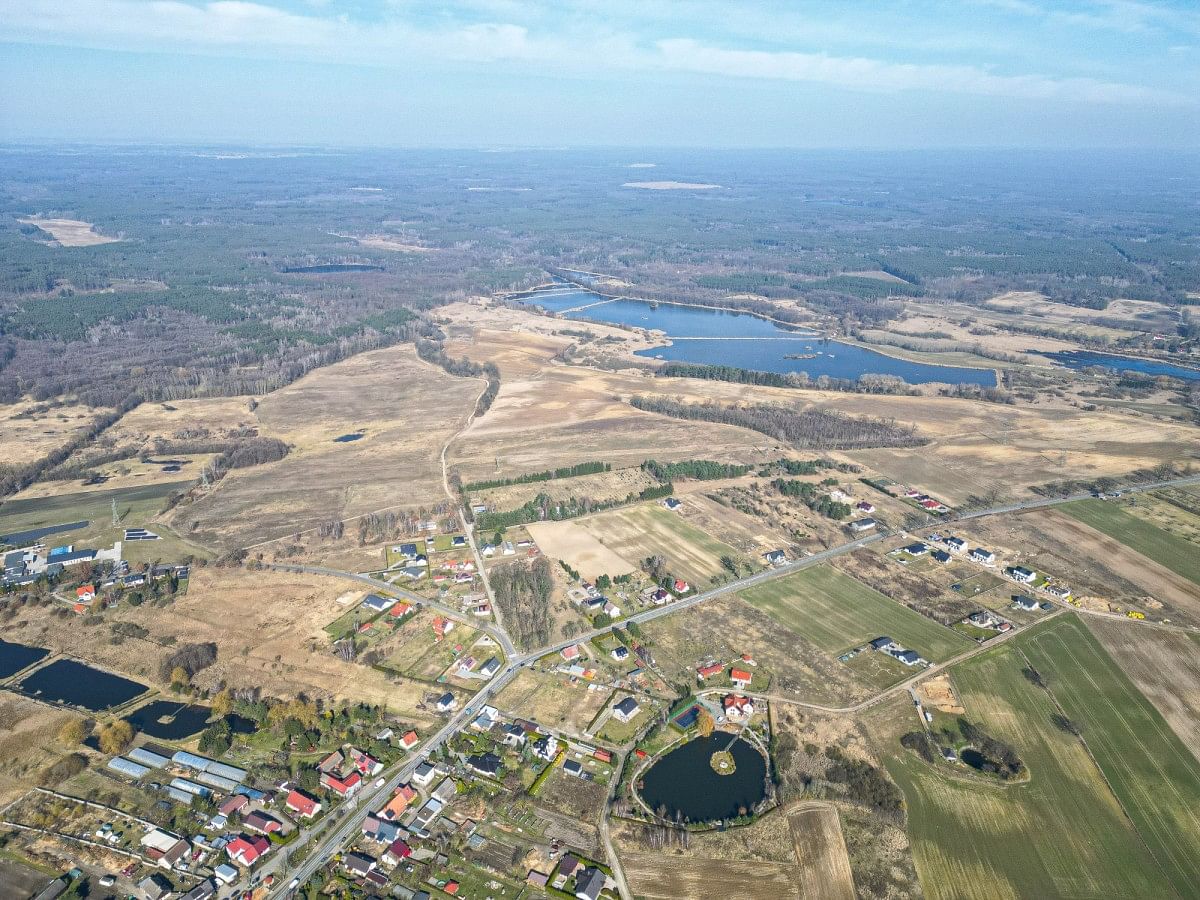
(715, 337)
(685, 783)
(173, 721)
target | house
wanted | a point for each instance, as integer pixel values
(332, 763)
(865, 506)
(861, 525)
(1060, 591)
(409, 740)
(85, 594)
(225, 873)
(604, 756)
(748, 659)
(345, 787)
(956, 544)
(446, 702)
(941, 556)
(365, 763)
(536, 878)
(620, 653)
(738, 707)
(246, 850)
(486, 764)
(408, 551)
(397, 851)
(681, 586)
(171, 858)
(489, 668)
(375, 603)
(740, 677)
(301, 804)
(545, 748)
(981, 619)
(358, 863)
(442, 627)
(917, 549)
(986, 557)
(589, 883)
(672, 504)
(659, 596)
(424, 774)
(626, 709)
(202, 891)
(949, 755)
(1026, 603)
(152, 887)
(908, 657)
(571, 767)
(512, 735)
(262, 823)
(1021, 574)
(570, 653)
(703, 673)
(398, 804)
(882, 643)
(775, 557)
(612, 610)
(458, 541)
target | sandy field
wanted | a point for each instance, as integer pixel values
(70, 232)
(572, 542)
(387, 242)
(27, 436)
(1164, 665)
(823, 868)
(406, 409)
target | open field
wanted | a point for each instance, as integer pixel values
(28, 742)
(269, 631)
(30, 430)
(837, 613)
(1164, 665)
(551, 699)
(983, 840)
(615, 485)
(124, 473)
(1094, 564)
(407, 409)
(823, 868)
(659, 876)
(725, 628)
(70, 232)
(648, 529)
(580, 548)
(1154, 776)
(1111, 518)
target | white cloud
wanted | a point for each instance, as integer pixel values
(579, 47)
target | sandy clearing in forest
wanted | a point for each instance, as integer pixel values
(70, 232)
(578, 548)
(671, 185)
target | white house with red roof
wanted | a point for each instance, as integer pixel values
(740, 677)
(303, 805)
(247, 850)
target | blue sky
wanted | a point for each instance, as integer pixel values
(888, 73)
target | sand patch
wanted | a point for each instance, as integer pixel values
(70, 232)
(671, 185)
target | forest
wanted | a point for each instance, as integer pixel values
(523, 592)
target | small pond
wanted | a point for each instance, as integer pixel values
(77, 684)
(684, 782)
(347, 438)
(169, 721)
(15, 657)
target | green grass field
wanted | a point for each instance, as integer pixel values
(1064, 832)
(136, 506)
(836, 613)
(1155, 777)
(1177, 554)
(1061, 834)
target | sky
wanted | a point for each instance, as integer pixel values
(683, 73)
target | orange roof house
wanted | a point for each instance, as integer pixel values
(740, 677)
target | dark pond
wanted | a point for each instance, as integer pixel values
(1081, 359)
(68, 681)
(332, 267)
(347, 438)
(719, 338)
(973, 758)
(15, 657)
(182, 720)
(683, 781)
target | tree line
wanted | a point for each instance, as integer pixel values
(699, 469)
(584, 468)
(866, 383)
(802, 428)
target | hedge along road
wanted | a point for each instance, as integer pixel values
(517, 661)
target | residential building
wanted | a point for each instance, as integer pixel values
(986, 557)
(589, 883)
(626, 709)
(302, 804)
(740, 677)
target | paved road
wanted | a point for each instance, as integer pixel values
(516, 661)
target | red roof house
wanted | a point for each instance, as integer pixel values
(343, 786)
(409, 740)
(706, 672)
(740, 677)
(246, 850)
(302, 804)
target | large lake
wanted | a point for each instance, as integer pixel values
(719, 338)
(1082, 359)
(684, 782)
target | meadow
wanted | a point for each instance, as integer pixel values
(837, 613)
(1178, 555)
